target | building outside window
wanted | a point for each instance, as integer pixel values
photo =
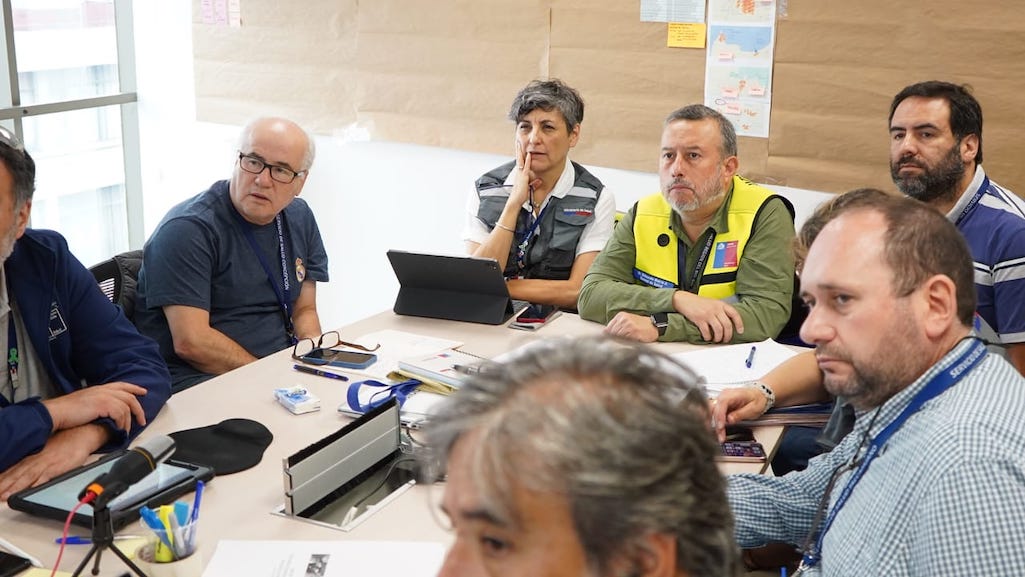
(70, 96)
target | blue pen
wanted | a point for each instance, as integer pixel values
(79, 540)
(200, 485)
(190, 532)
(152, 520)
(750, 357)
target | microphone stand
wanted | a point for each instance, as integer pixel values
(103, 538)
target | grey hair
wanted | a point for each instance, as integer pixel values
(311, 148)
(549, 95)
(728, 135)
(619, 429)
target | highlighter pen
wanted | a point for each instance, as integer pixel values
(750, 358)
(319, 373)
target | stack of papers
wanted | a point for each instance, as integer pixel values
(397, 345)
(442, 366)
(726, 366)
(325, 559)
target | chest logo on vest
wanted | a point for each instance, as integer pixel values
(300, 270)
(57, 324)
(725, 255)
(577, 211)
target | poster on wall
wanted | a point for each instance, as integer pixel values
(738, 66)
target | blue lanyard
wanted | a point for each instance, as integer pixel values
(938, 384)
(284, 294)
(521, 252)
(399, 390)
(974, 200)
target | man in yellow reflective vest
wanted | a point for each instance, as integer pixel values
(707, 260)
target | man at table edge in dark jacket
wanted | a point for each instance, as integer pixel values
(106, 380)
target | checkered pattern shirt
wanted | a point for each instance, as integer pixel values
(945, 496)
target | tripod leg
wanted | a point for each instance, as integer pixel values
(127, 561)
(92, 551)
(96, 563)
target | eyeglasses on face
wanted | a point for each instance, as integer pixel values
(255, 165)
(328, 340)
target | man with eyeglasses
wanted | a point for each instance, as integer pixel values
(230, 275)
(79, 377)
(931, 481)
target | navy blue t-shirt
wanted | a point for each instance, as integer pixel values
(199, 257)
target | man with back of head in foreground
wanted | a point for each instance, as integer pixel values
(931, 481)
(708, 259)
(79, 377)
(583, 457)
(231, 274)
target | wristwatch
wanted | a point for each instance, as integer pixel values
(661, 322)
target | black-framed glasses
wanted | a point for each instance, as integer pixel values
(324, 344)
(256, 165)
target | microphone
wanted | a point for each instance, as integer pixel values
(129, 469)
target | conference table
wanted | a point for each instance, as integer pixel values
(239, 506)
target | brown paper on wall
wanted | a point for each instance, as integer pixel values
(443, 73)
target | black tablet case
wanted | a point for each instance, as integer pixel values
(20, 501)
(450, 287)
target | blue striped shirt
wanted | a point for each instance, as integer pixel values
(995, 231)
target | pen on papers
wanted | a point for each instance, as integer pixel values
(4, 543)
(750, 357)
(319, 373)
(80, 540)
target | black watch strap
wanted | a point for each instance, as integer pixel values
(661, 322)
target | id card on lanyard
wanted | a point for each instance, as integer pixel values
(283, 292)
(523, 245)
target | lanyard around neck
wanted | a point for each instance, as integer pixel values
(283, 293)
(12, 357)
(521, 252)
(974, 200)
(937, 385)
(699, 265)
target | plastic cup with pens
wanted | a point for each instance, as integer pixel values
(172, 548)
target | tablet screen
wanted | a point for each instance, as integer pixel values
(57, 497)
(64, 495)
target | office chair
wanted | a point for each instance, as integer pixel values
(117, 278)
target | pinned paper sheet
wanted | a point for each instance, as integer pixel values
(686, 35)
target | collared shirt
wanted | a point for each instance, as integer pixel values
(33, 380)
(764, 278)
(595, 234)
(945, 496)
(995, 231)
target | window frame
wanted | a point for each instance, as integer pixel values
(12, 112)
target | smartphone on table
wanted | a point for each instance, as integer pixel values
(534, 317)
(336, 358)
(743, 452)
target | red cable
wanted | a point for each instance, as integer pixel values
(67, 527)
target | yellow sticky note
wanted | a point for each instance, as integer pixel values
(36, 572)
(686, 35)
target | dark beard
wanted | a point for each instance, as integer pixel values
(939, 183)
